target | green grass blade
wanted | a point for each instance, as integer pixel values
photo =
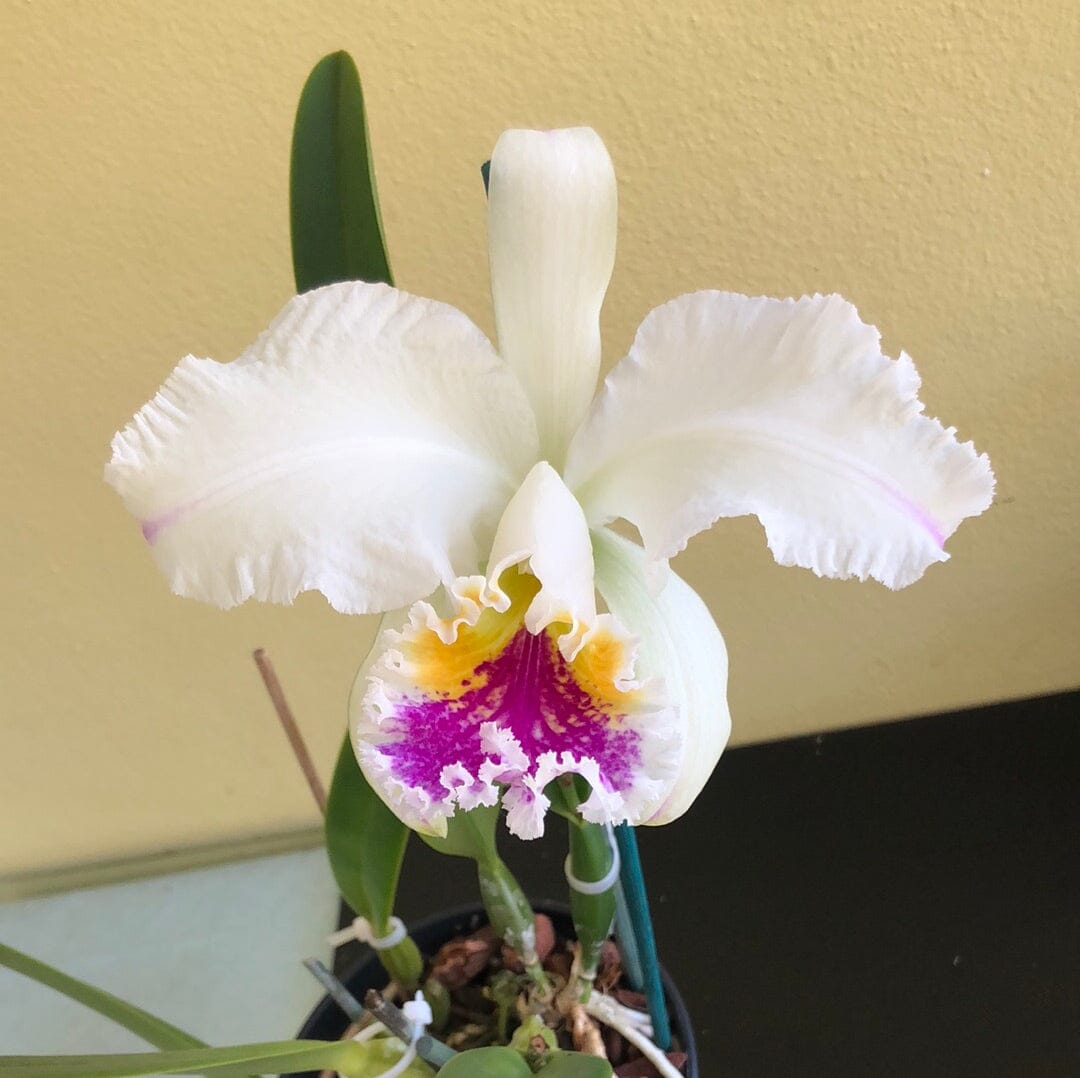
(272, 1058)
(153, 1030)
(337, 232)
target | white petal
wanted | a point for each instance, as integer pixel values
(551, 228)
(363, 447)
(543, 529)
(680, 645)
(786, 409)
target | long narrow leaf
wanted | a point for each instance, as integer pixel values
(275, 1057)
(365, 840)
(337, 230)
(153, 1030)
(337, 236)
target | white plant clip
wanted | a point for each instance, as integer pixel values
(361, 930)
(596, 887)
(418, 1012)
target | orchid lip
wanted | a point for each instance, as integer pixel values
(456, 719)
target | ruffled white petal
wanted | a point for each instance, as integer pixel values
(786, 409)
(680, 645)
(551, 228)
(543, 529)
(364, 447)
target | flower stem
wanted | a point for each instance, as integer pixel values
(591, 861)
(510, 913)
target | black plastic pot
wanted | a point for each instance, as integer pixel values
(327, 1021)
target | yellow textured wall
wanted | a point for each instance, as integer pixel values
(921, 159)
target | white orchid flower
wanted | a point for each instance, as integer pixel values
(375, 447)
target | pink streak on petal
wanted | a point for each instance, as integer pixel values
(913, 511)
(153, 527)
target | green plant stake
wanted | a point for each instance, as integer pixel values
(633, 881)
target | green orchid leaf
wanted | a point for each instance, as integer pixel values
(365, 840)
(347, 1057)
(366, 844)
(576, 1065)
(153, 1030)
(487, 1063)
(337, 232)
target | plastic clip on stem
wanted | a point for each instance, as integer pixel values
(361, 930)
(595, 887)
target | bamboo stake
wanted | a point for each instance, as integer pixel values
(288, 724)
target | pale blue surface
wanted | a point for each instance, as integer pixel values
(214, 951)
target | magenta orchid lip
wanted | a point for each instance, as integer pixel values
(454, 714)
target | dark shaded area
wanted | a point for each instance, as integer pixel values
(901, 900)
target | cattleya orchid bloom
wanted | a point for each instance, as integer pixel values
(374, 446)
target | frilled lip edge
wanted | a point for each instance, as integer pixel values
(460, 710)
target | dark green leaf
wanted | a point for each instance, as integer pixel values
(337, 232)
(366, 843)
